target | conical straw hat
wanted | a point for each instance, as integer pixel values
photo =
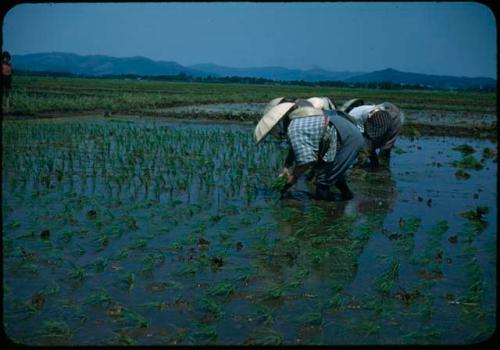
(270, 119)
(274, 102)
(323, 103)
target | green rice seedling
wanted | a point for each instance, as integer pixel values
(139, 243)
(312, 319)
(205, 333)
(223, 289)
(186, 271)
(53, 290)
(468, 162)
(279, 183)
(476, 214)
(432, 256)
(122, 254)
(264, 336)
(336, 302)
(123, 339)
(297, 279)
(133, 319)
(148, 264)
(385, 281)
(369, 327)
(262, 314)
(55, 329)
(127, 280)
(489, 153)
(101, 298)
(160, 305)
(131, 223)
(273, 293)
(211, 307)
(465, 149)
(398, 150)
(77, 272)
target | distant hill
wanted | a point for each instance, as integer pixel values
(275, 73)
(96, 65)
(434, 81)
(99, 65)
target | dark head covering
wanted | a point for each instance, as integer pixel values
(377, 126)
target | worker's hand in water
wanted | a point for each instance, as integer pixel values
(284, 172)
(289, 183)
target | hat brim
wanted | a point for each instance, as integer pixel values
(349, 105)
(270, 119)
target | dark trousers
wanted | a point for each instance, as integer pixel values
(351, 142)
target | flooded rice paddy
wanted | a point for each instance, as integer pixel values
(141, 231)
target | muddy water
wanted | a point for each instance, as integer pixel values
(220, 259)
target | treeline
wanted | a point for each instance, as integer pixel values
(183, 77)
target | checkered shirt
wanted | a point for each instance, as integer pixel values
(304, 135)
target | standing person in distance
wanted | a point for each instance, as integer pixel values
(6, 80)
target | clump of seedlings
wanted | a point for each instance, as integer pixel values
(476, 214)
(279, 184)
(385, 282)
(468, 162)
(465, 149)
(58, 329)
(264, 336)
(489, 153)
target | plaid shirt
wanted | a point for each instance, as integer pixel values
(304, 136)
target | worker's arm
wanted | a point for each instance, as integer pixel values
(298, 171)
(290, 158)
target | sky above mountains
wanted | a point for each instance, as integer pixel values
(443, 38)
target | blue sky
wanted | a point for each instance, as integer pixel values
(445, 38)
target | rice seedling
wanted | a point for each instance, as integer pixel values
(275, 292)
(369, 327)
(101, 298)
(312, 319)
(385, 282)
(398, 150)
(468, 162)
(465, 149)
(127, 281)
(264, 336)
(476, 214)
(78, 273)
(205, 333)
(123, 339)
(223, 289)
(489, 153)
(211, 307)
(58, 329)
(127, 317)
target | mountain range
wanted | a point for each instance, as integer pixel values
(99, 65)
